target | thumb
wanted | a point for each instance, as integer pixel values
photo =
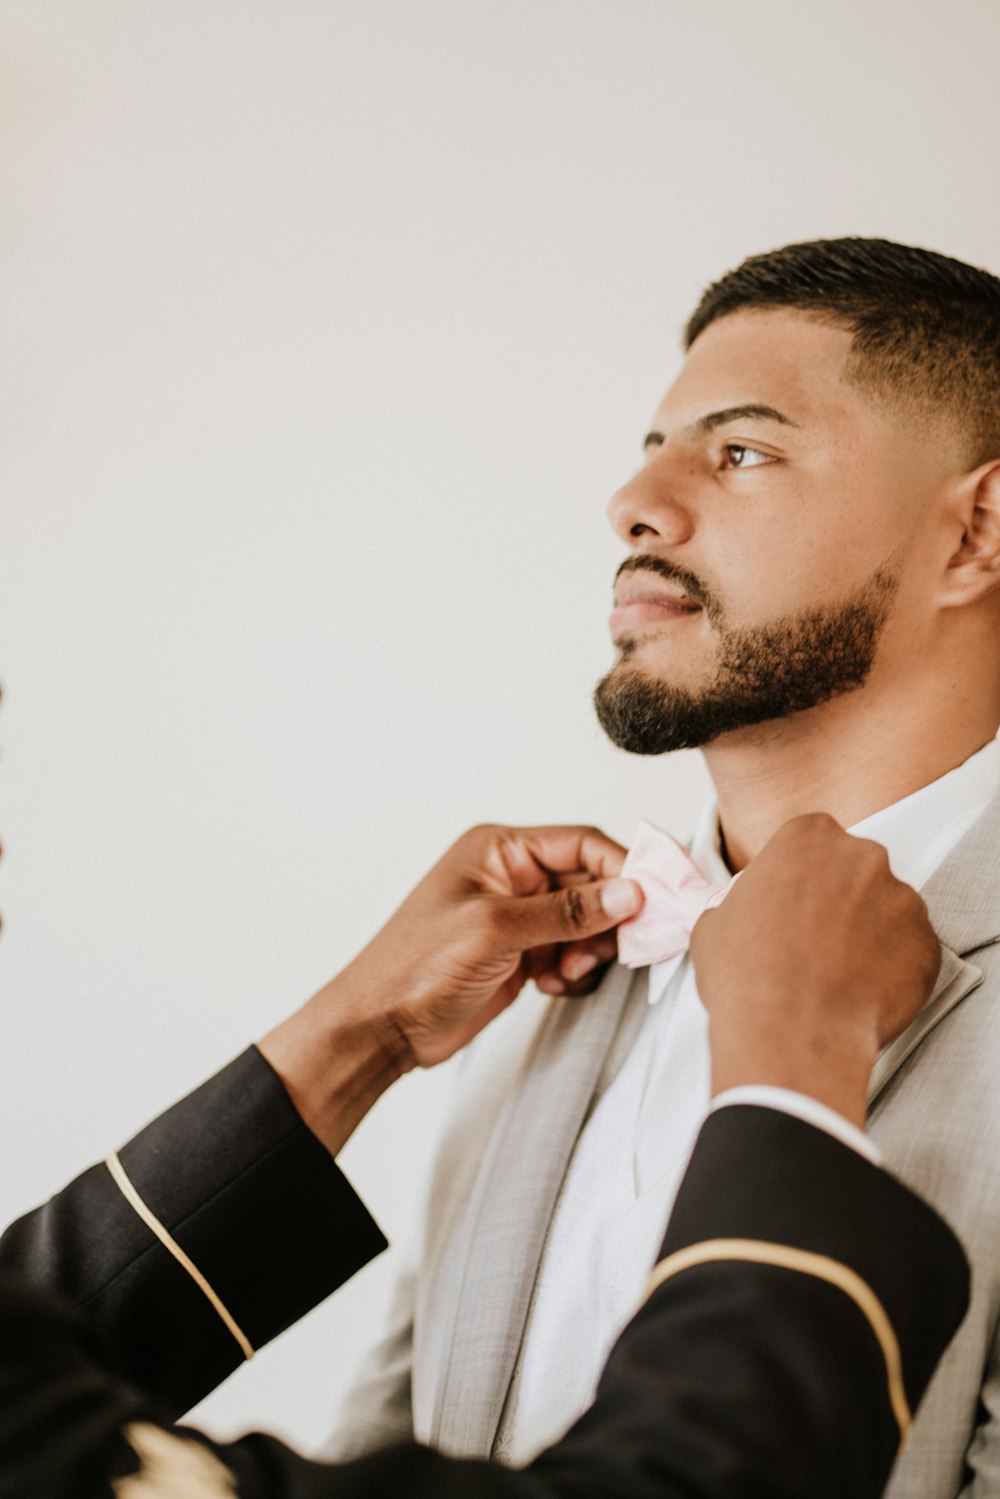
(567, 915)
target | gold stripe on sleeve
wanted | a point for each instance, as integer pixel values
(758, 1252)
(153, 1223)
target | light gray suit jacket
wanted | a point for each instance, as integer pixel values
(445, 1369)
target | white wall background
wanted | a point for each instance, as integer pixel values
(326, 330)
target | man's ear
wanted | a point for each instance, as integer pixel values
(974, 569)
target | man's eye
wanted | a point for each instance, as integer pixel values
(738, 455)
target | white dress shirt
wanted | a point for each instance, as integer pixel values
(632, 1151)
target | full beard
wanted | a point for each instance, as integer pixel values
(764, 672)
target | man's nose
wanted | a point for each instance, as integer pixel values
(646, 508)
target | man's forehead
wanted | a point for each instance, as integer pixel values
(775, 360)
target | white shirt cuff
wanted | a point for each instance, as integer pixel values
(802, 1107)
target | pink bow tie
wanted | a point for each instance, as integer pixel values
(676, 895)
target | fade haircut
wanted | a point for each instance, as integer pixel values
(926, 328)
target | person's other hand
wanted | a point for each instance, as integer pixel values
(816, 959)
(504, 905)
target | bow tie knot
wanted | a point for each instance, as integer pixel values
(676, 894)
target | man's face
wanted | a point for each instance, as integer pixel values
(769, 528)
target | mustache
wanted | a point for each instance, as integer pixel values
(692, 585)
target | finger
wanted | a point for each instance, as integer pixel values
(566, 850)
(531, 857)
(574, 968)
(541, 965)
(577, 959)
(566, 915)
(589, 984)
(552, 982)
(539, 960)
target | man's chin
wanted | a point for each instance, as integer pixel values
(771, 671)
(645, 714)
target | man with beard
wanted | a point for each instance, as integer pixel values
(811, 597)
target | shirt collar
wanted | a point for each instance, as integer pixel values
(918, 833)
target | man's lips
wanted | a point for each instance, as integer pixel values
(647, 601)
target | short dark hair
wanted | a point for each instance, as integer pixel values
(926, 328)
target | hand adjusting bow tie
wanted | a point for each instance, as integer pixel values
(676, 895)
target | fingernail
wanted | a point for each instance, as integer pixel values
(549, 984)
(578, 965)
(621, 898)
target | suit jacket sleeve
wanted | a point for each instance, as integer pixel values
(805, 1296)
(747, 1372)
(249, 1194)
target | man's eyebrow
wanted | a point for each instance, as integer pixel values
(713, 419)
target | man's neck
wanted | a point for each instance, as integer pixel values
(847, 758)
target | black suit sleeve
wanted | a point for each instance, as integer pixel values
(770, 1379)
(247, 1192)
(747, 1373)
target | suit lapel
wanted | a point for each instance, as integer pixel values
(963, 900)
(956, 979)
(492, 1258)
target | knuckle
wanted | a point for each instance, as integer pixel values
(878, 853)
(508, 849)
(871, 856)
(474, 839)
(483, 831)
(913, 903)
(821, 822)
(810, 825)
(574, 907)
